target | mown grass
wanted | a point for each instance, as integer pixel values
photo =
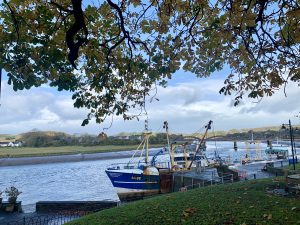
(240, 203)
(291, 167)
(63, 150)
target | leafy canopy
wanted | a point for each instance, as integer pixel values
(112, 54)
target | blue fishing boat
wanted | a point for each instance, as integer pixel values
(141, 177)
(134, 182)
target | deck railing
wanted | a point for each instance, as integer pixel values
(136, 165)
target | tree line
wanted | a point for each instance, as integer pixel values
(48, 139)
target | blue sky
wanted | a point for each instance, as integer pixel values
(187, 104)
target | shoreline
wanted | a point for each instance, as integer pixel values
(33, 160)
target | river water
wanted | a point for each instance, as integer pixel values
(85, 180)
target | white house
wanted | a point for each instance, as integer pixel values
(11, 144)
(4, 143)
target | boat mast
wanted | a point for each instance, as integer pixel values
(166, 126)
(146, 134)
(208, 126)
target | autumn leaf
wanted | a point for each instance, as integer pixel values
(188, 212)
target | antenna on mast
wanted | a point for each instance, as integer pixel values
(166, 126)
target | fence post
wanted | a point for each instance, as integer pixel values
(24, 220)
(173, 182)
(254, 176)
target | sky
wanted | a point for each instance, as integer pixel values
(188, 103)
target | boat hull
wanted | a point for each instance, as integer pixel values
(126, 195)
(132, 185)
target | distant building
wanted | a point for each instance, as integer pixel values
(4, 143)
(122, 137)
(11, 143)
(128, 137)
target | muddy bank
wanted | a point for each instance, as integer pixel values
(69, 158)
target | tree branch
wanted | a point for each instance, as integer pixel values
(78, 25)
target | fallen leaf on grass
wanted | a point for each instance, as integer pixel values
(269, 216)
(170, 197)
(188, 212)
(184, 214)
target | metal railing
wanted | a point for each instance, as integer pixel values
(48, 219)
(222, 180)
(54, 217)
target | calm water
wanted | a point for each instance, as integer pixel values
(81, 180)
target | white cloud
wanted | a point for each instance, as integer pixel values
(186, 106)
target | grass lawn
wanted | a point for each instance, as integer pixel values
(291, 167)
(240, 203)
(63, 150)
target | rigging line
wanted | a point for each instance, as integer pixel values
(135, 152)
(198, 131)
(159, 129)
(144, 146)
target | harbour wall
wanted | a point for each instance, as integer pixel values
(71, 206)
(68, 158)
